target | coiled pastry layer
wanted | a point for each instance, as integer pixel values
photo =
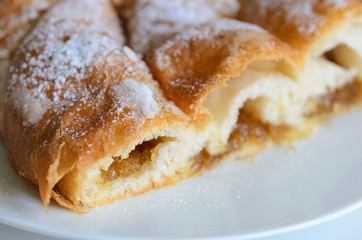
(92, 113)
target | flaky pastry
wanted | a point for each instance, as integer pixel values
(93, 113)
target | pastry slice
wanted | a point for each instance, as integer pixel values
(88, 123)
(327, 34)
(235, 72)
(257, 88)
(84, 119)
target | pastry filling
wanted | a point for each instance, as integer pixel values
(250, 130)
(131, 165)
(349, 94)
(247, 130)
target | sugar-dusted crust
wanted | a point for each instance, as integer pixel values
(302, 24)
(150, 23)
(18, 17)
(77, 101)
(205, 57)
(91, 120)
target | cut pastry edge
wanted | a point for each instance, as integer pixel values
(204, 58)
(272, 54)
(195, 162)
(347, 33)
(345, 30)
(343, 47)
(250, 135)
(273, 98)
(254, 93)
(165, 144)
(295, 96)
(130, 105)
(64, 171)
(161, 158)
(348, 76)
(65, 161)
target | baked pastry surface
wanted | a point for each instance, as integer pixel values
(103, 100)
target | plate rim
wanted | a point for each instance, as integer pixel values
(323, 218)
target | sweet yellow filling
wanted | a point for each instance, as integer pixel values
(136, 160)
(248, 130)
(251, 131)
(349, 94)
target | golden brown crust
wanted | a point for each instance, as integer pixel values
(92, 121)
(150, 23)
(165, 181)
(203, 58)
(66, 203)
(44, 157)
(17, 18)
(299, 23)
(74, 103)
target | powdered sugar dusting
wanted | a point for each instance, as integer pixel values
(59, 54)
(15, 24)
(205, 31)
(132, 55)
(135, 96)
(337, 3)
(299, 12)
(214, 28)
(305, 15)
(33, 109)
(156, 21)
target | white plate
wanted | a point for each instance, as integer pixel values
(282, 190)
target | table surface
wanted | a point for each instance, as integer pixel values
(345, 227)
